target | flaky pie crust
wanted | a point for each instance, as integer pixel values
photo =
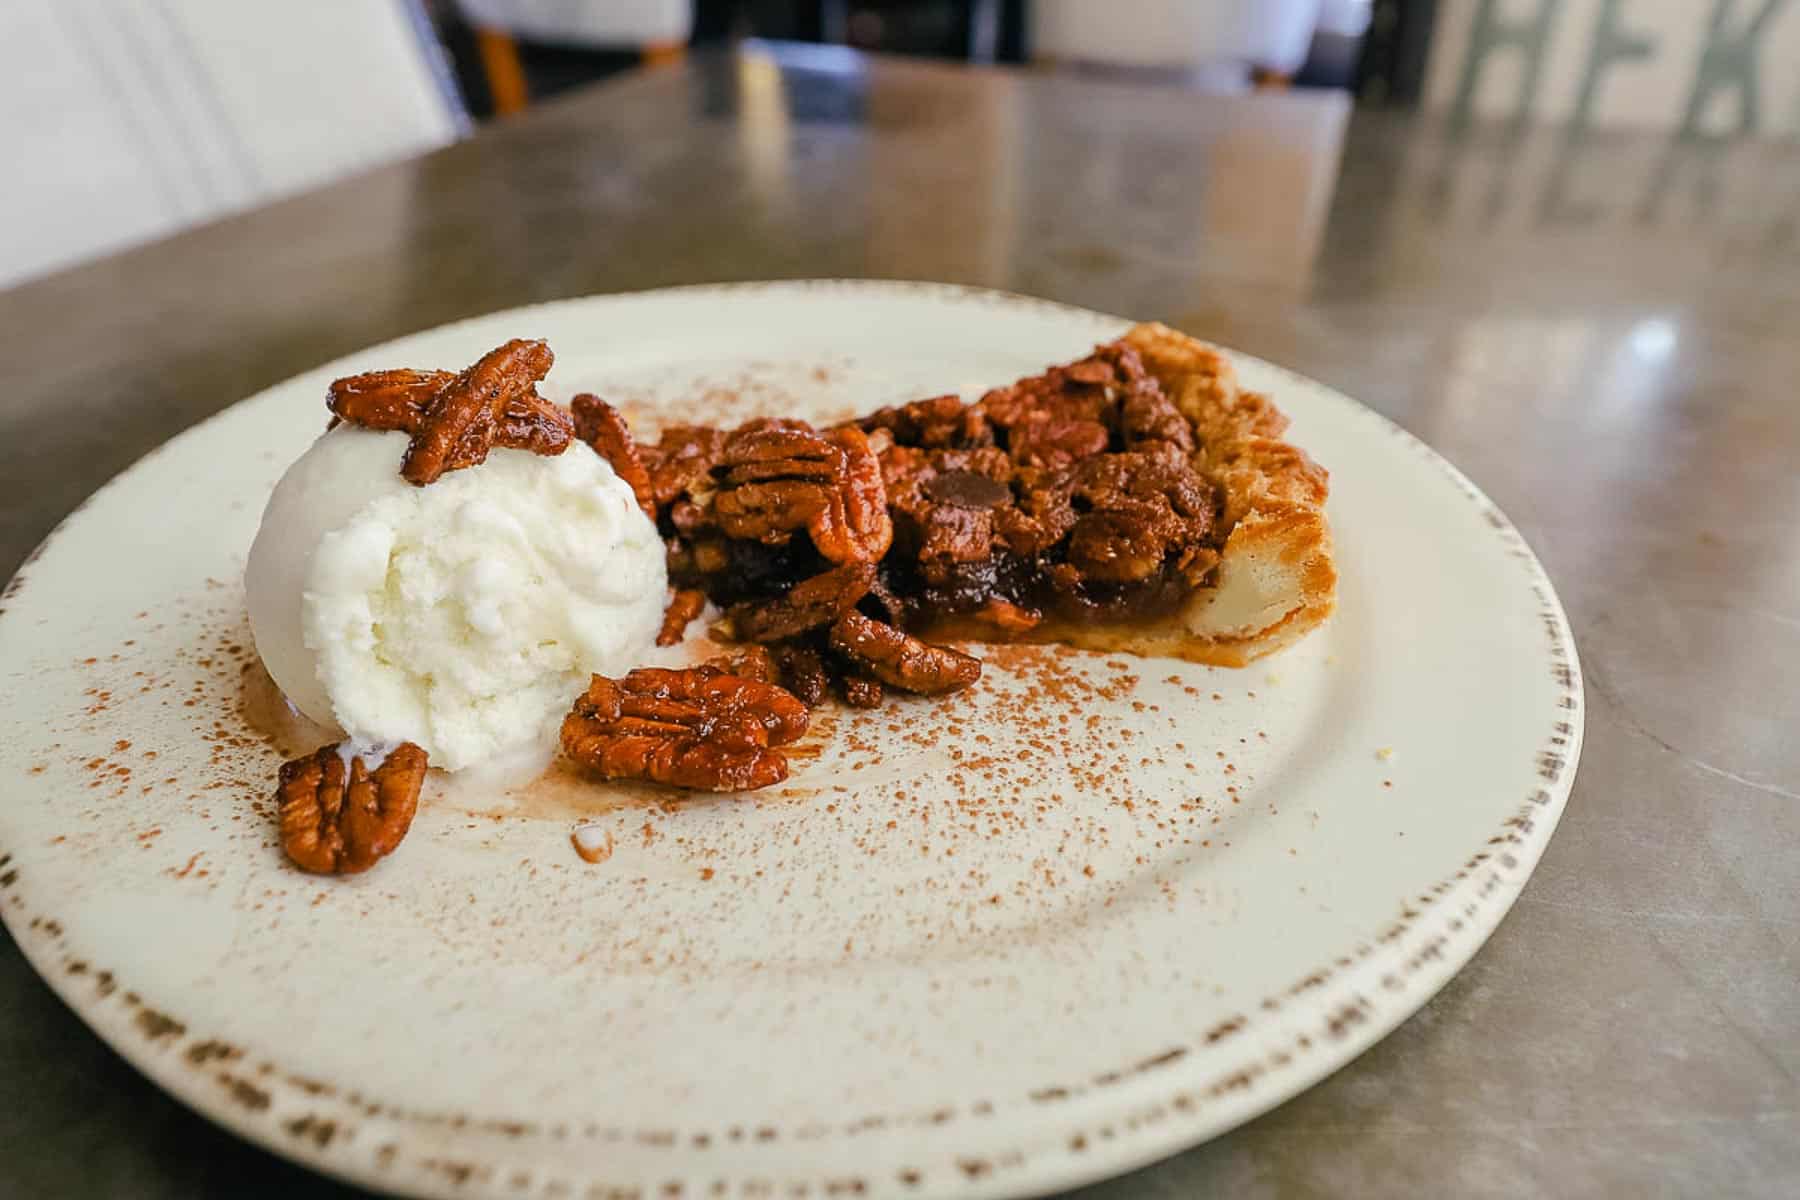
(1276, 579)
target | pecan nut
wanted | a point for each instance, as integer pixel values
(778, 479)
(398, 400)
(385, 400)
(772, 482)
(460, 424)
(338, 819)
(684, 606)
(854, 526)
(602, 427)
(809, 604)
(901, 660)
(697, 728)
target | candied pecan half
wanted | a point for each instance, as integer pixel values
(387, 400)
(854, 525)
(697, 728)
(684, 606)
(899, 659)
(333, 825)
(602, 427)
(459, 425)
(772, 482)
(776, 479)
(766, 450)
(807, 605)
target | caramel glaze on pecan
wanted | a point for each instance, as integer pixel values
(333, 825)
(684, 606)
(854, 526)
(386, 400)
(809, 604)
(776, 478)
(697, 728)
(900, 660)
(454, 420)
(533, 423)
(603, 428)
(459, 425)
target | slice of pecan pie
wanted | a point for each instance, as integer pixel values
(1273, 579)
(1134, 500)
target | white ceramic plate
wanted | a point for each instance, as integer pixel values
(1095, 912)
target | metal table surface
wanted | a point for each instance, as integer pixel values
(1600, 329)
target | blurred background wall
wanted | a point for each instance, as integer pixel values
(122, 121)
(125, 120)
(1703, 67)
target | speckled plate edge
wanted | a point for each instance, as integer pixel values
(1139, 1113)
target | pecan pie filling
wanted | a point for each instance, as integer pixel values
(1068, 494)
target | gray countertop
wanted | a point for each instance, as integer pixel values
(1603, 331)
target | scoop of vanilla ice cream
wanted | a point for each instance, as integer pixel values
(465, 615)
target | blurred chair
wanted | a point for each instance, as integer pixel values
(657, 29)
(124, 122)
(1216, 42)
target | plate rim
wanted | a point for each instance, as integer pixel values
(1182, 1112)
